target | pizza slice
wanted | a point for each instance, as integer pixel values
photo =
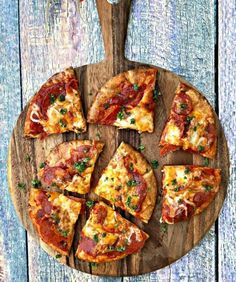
(54, 216)
(187, 191)
(107, 236)
(56, 107)
(128, 182)
(126, 101)
(70, 165)
(191, 125)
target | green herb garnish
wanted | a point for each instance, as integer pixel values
(141, 147)
(173, 182)
(163, 227)
(104, 234)
(62, 123)
(120, 115)
(188, 119)
(42, 165)
(93, 264)
(27, 158)
(61, 98)
(58, 256)
(121, 248)
(132, 121)
(131, 166)
(206, 161)
(208, 187)
(90, 203)
(183, 106)
(80, 166)
(187, 170)
(52, 99)
(154, 164)
(106, 106)
(36, 183)
(55, 218)
(200, 148)
(95, 238)
(64, 233)
(136, 87)
(63, 111)
(132, 183)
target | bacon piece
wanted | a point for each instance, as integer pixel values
(51, 174)
(87, 245)
(101, 213)
(201, 197)
(182, 104)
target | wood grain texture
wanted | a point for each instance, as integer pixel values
(184, 42)
(162, 248)
(12, 250)
(227, 114)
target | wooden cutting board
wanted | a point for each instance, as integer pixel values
(166, 244)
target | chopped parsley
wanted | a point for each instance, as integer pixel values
(61, 98)
(111, 248)
(206, 161)
(132, 121)
(155, 95)
(62, 123)
(121, 115)
(207, 187)
(180, 201)
(136, 87)
(58, 256)
(42, 165)
(131, 166)
(90, 93)
(154, 164)
(90, 203)
(52, 99)
(64, 233)
(141, 147)
(98, 135)
(106, 106)
(21, 186)
(188, 119)
(80, 166)
(106, 178)
(121, 248)
(63, 111)
(104, 234)
(176, 189)
(93, 264)
(36, 183)
(183, 106)
(195, 128)
(132, 183)
(187, 170)
(173, 182)
(128, 201)
(95, 238)
(200, 148)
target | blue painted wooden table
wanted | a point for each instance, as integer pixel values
(195, 39)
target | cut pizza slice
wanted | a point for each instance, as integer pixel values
(191, 125)
(187, 191)
(126, 101)
(54, 216)
(128, 182)
(70, 165)
(56, 107)
(107, 236)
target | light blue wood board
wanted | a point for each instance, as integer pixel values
(227, 114)
(179, 35)
(13, 259)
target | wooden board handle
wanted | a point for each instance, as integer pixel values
(114, 21)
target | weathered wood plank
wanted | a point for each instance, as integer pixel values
(227, 114)
(179, 36)
(12, 250)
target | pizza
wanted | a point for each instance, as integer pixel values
(107, 236)
(128, 182)
(56, 107)
(54, 216)
(70, 165)
(191, 125)
(187, 191)
(126, 101)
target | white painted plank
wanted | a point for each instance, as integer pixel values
(227, 114)
(12, 250)
(178, 35)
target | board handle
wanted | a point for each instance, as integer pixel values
(114, 21)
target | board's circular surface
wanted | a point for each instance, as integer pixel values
(165, 245)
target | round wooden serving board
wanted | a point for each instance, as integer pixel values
(165, 245)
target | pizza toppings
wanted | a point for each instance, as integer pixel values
(191, 125)
(56, 107)
(126, 101)
(107, 236)
(54, 216)
(70, 165)
(187, 191)
(128, 182)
